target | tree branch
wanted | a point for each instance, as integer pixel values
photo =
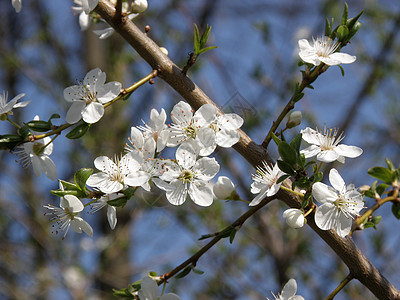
(357, 263)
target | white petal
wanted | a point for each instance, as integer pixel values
(110, 186)
(148, 289)
(104, 33)
(48, 167)
(17, 4)
(157, 120)
(327, 156)
(72, 203)
(137, 139)
(256, 187)
(108, 92)
(230, 121)
(137, 178)
(74, 113)
(98, 179)
(338, 58)
(326, 216)
(343, 225)
(21, 104)
(311, 136)
(289, 290)
(186, 155)
(348, 151)
(223, 188)
(259, 197)
(112, 216)
(323, 193)
(106, 165)
(311, 151)
(170, 296)
(73, 93)
(36, 165)
(93, 77)
(200, 193)
(177, 193)
(304, 45)
(84, 21)
(205, 115)
(274, 189)
(309, 56)
(92, 112)
(206, 168)
(78, 224)
(337, 181)
(294, 217)
(227, 138)
(182, 113)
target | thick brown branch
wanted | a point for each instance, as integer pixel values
(357, 263)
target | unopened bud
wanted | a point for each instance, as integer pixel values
(223, 188)
(294, 217)
(164, 50)
(294, 119)
(3, 117)
(139, 6)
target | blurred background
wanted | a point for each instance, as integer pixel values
(252, 73)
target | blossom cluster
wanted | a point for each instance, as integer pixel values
(340, 203)
(195, 134)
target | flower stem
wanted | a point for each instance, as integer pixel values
(340, 286)
(12, 122)
(290, 190)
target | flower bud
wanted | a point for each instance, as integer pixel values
(164, 50)
(139, 6)
(223, 188)
(294, 119)
(294, 217)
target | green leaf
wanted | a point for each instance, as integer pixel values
(197, 271)
(282, 178)
(396, 210)
(353, 21)
(53, 116)
(345, 14)
(81, 176)
(184, 272)
(390, 164)
(60, 193)
(206, 236)
(341, 70)
(328, 27)
(129, 192)
(382, 174)
(296, 142)
(78, 131)
(276, 139)
(69, 185)
(40, 126)
(24, 132)
(342, 32)
(287, 153)
(354, 30)
(380, 189)
(206, 49)
(369, 224)
(196, 46)
(232, 236)
(204, 36)
(369, 194)
(10, 141)
(376, 220)
(119, 202)
(285, 167)
(298, 97)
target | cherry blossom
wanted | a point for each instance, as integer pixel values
(111, 210)
(323, 50)
(288, 292)
(6, 108)
(223, 188)
(66, 215)
(188, 176)
(294, 217)
(340, 204)
(156, 128)
(149, 291)
(88, 98)
(265, 182)
(326, 146)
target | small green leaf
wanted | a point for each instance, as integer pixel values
(287, 153)
(196, 46)
(353, 21)
(60, 193)
(345, 14)
(282, 178)
(276, 139)
(382, 174)
(129, 192)
(53, 116)
(342, 32)
(81, 176)
(226, 233)
(328, 27)
(285, 167)
(197, 271)
(396, 210)
(78, 131)
(369, 224)
(204, 36)
(119, 202)
(232, 236)
(207, 49)
(40, 126)
(376, 220)
(206, 236)
(69, 185)
(380, 189)
(354, 30)
(296, 142)
(10, 138)
(184, 272)
(390, 164)
(369, 194)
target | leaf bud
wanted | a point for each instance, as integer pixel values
(294, 119)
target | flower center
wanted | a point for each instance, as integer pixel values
(324, 46)
(186, 176)
(331, 139)
(346, 206)
(214, 126)
(191, 131)
(87, 95)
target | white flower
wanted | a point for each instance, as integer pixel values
(223, 188)
(325, 146)
(111, 210)
(188, 176)
(289, 292)
(88, 98)
(89, 5)
(6, 108)
(17, 4)
(265, 182)
(149, 291)
(189, 127)
(84, 18)
(67, 215)
(323, 50)
(37, 153)
(339, 204)
(294, 217)
(115, 175)
(156, 128)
